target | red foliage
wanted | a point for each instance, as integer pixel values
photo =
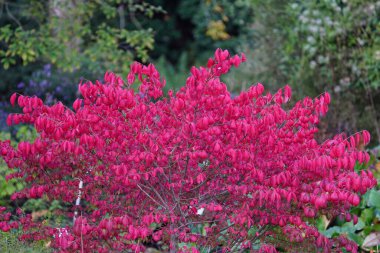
(156, 168)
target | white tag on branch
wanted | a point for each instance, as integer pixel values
(200, 211)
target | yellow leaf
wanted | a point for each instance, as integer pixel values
(217, 30)
(217, 8)
(377, 166)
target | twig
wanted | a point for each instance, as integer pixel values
(12, 17)
(77, 202)
(147, 194)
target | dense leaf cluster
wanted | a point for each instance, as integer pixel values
(194, 170)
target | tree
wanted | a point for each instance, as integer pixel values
(194, 170)
(67, 33)
(73, 37)
(82, 39)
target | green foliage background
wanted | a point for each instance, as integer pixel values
(325, 45)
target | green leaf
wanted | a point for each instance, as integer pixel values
(367, 215)
(333, 231)
(376, 227)
(374, 198)
(356, 238)
(322, 222)
(360, 225)
(252, 231)
(349, 227)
